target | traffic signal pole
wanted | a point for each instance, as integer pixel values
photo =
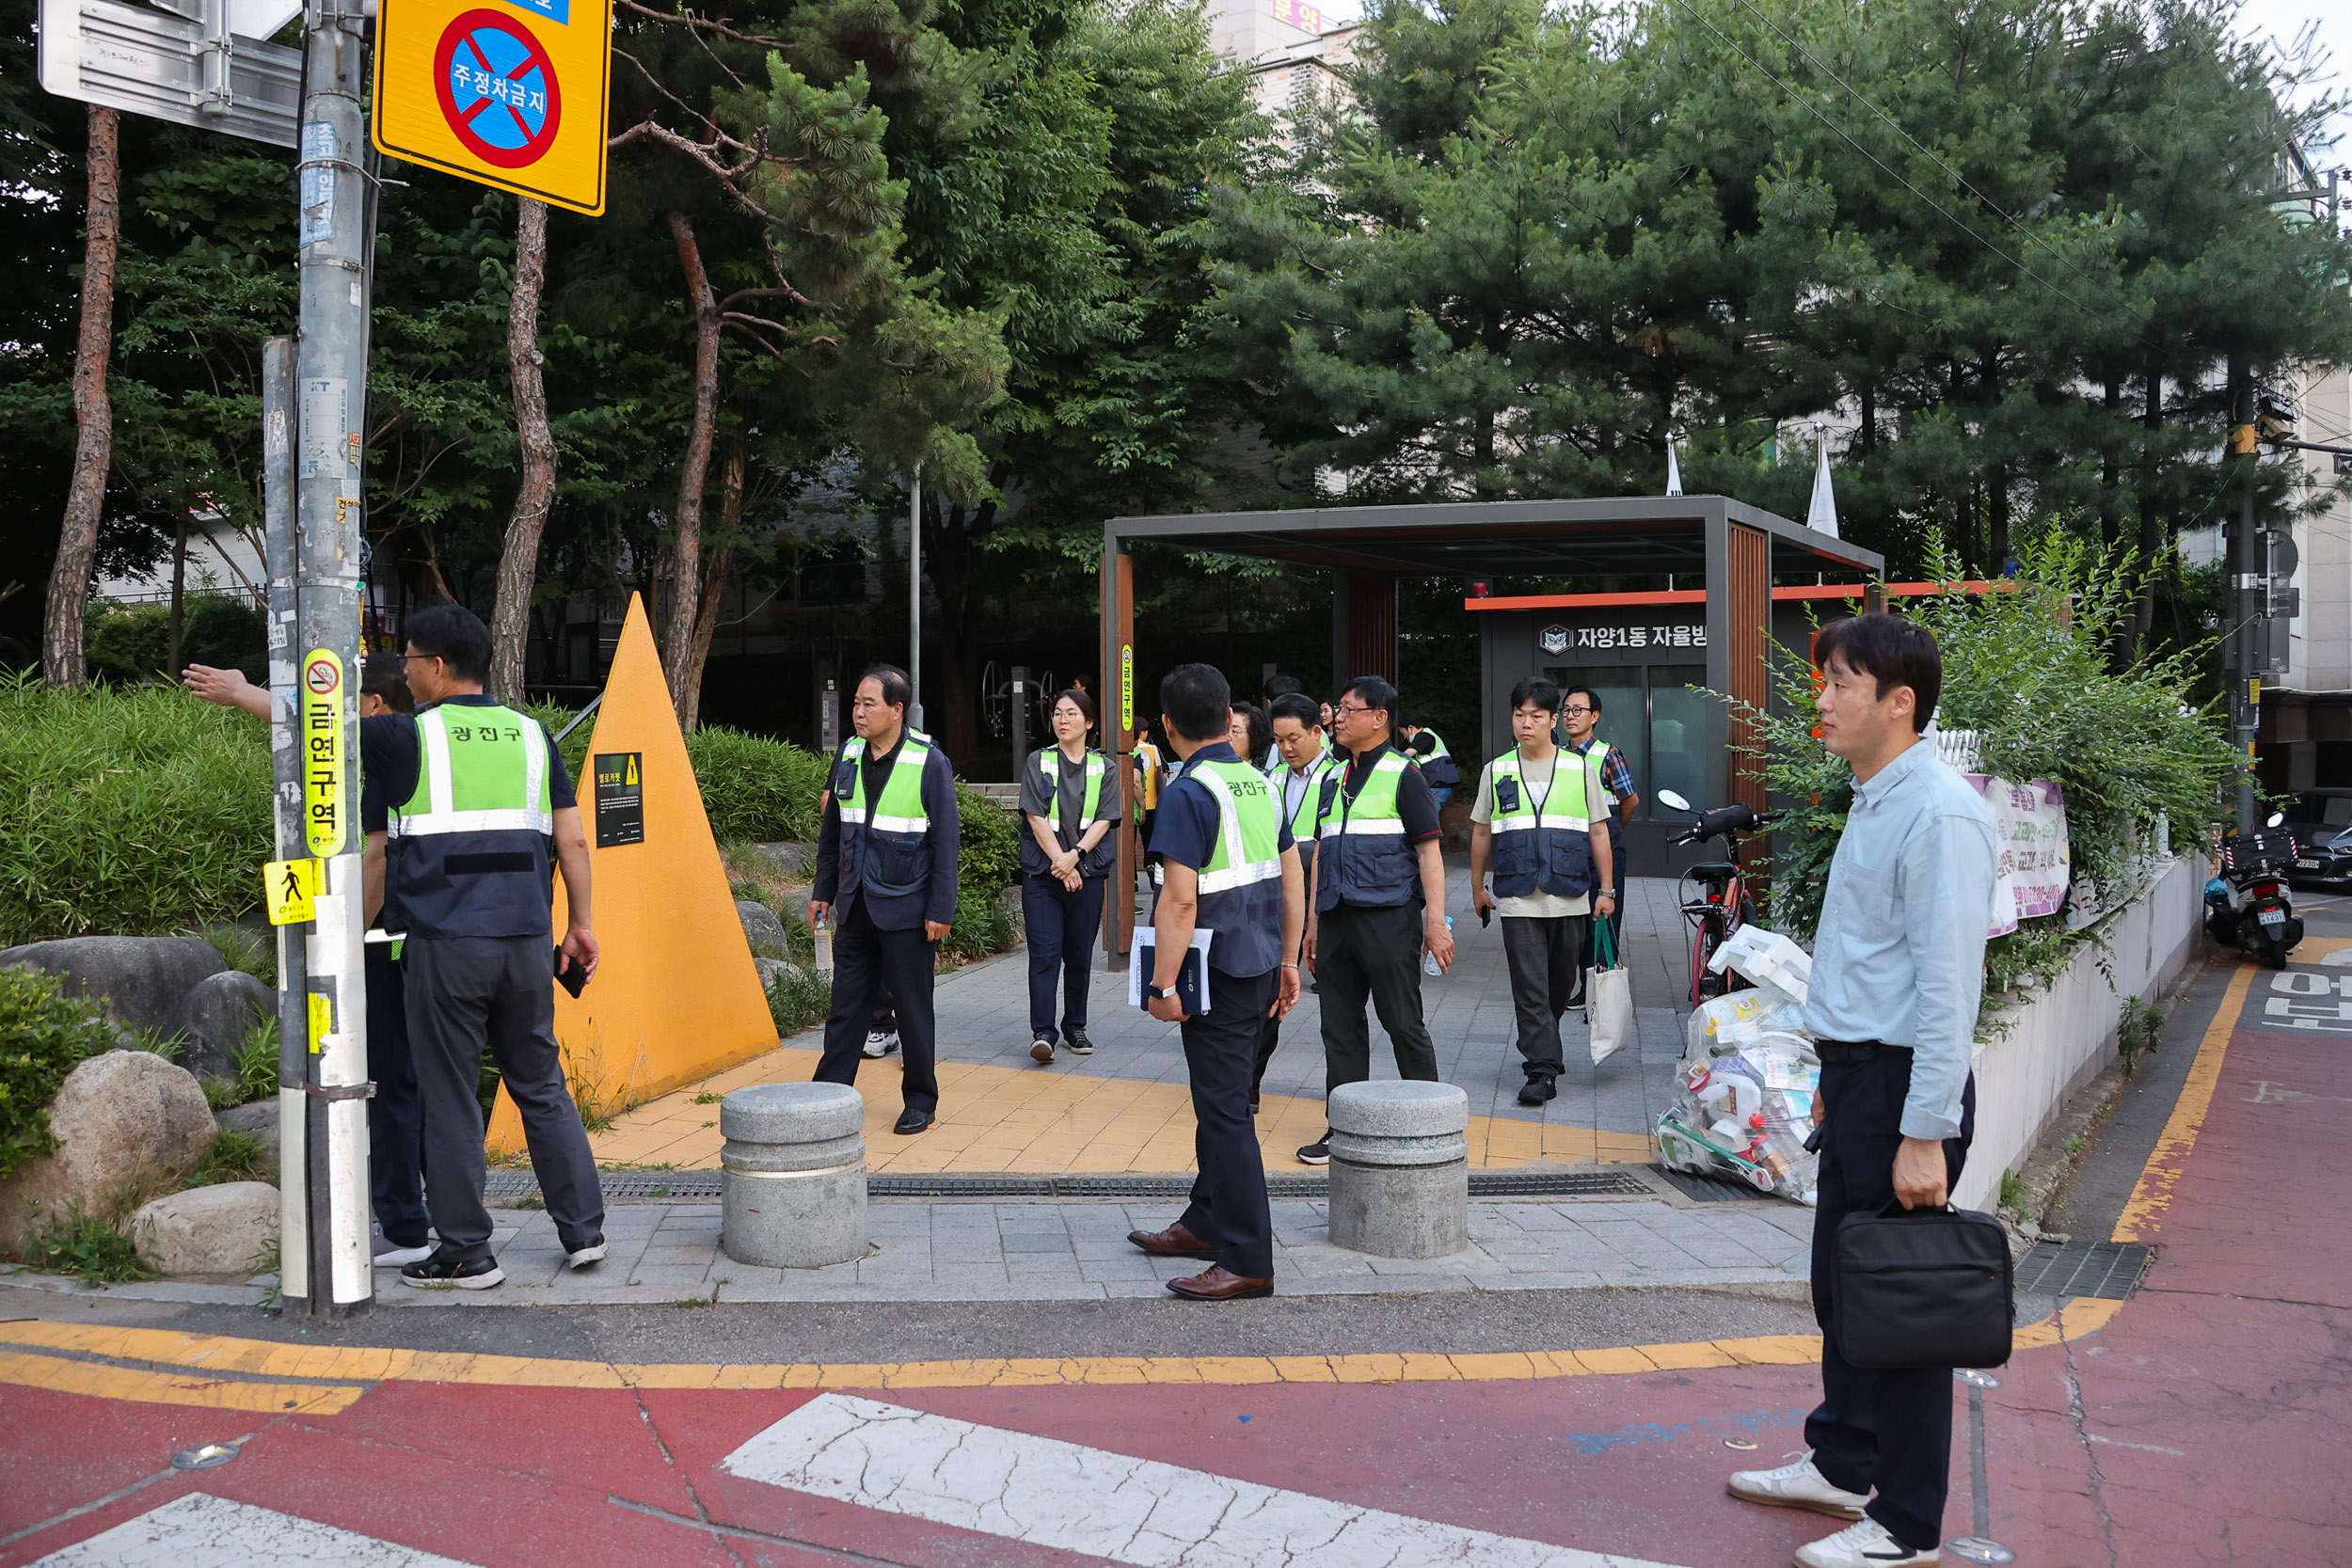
(2249, 601)
(327, 1251)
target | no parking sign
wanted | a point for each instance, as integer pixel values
(511, 95)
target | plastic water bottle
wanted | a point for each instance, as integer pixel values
(1429, 964)
(822, 930)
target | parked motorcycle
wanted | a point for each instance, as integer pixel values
(2246, 907)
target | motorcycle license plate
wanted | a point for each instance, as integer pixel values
(2271, 918)
(2306, 866)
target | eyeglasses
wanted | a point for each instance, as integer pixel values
(1345, 708)
(1579, 709)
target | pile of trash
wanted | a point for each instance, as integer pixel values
(1743, 1107)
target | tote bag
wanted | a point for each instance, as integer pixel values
(1608, 996)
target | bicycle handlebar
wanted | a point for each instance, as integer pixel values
(1724, 822)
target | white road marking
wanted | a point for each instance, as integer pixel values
(1049, 1493)
(203, 1531)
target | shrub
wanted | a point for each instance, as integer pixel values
(137, 812)
(798, 999)
(44, 1036)
(130, 644)
(756, 789)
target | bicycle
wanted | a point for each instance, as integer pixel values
(1720, 905)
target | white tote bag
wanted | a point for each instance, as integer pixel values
(1608, 996)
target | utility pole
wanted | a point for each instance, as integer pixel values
(915, 598)
(322, 697)
(2248, 635)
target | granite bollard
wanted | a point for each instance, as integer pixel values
(1400, 1168)
(794, 1187)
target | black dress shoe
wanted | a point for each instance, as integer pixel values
(1536, 1090)
(911, 1120)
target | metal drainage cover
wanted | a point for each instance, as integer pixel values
(2110, 1271)
(1705, 1189)
(691, 1185)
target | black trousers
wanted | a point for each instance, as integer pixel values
(1887, 1430)
(395, 1116)
(466, 993)
(1269, 1036)
(1061, 926)
(1546, 957)
(1371, 955)
(866, 962)
(1228, 1203)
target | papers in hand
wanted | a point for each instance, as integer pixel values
(1192, 980)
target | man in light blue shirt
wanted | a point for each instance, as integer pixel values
(1897, 969)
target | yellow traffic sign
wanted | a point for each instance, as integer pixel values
(289, 890)
(510, 93)
(324, 762)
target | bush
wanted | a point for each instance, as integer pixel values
(130, 644)
(756, 789)
(137, 812)
(44, 1036)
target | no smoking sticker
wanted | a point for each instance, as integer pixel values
(498, 89)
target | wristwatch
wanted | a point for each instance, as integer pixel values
(1161, 992)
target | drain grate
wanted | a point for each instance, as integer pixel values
(686, 1187)
(2110, 1271)
(1705, 1189)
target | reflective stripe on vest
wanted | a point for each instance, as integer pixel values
(442, 804)
(1240, 886)
(468, 850)
(1309, 795)
(1363, 858)
(1439, 742)
(900, 809)
(1098, 768)
(1598, 757)
(1546, 850)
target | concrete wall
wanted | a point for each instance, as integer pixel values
(2065, 1035)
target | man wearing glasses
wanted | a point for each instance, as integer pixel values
(1579, 715)
(1379, 901)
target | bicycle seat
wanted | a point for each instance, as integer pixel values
(1713, 871)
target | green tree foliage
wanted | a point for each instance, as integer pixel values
(43, 1036)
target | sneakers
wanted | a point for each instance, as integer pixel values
(391, 1255)
(580, 1258)
(879, 1044)
(1797, 1485)
(1865, 1544)
(1075, 1038)
(1041, 1049)
(441, 1270)
(1317, 1152)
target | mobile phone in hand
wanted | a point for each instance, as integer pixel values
(572, 977)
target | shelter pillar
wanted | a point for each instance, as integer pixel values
(1749, 581)
(1364, 614)
(1117, 707)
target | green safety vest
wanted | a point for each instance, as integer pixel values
(882, 842)
(1547, 850)
(1098, 770)
(1241, 887)
(468, 851)
(1310, 797)
(1361, 854)
(1598, 757)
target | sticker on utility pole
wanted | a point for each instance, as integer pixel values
(620, 799)
(289, 890)
(326, 426)
(320, 155)
(322, 1020)
(323, 763)
(512, 98)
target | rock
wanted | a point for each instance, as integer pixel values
(121, 1119)
(142, 980)
(793, 906)
(761, 928)
(772, 970)
(792, 858)
(215, 1018)
(259, 1118)
(221, 1229)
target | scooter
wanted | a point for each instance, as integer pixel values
(2246, 907)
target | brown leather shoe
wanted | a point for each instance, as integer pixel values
(1175, 1242)
(1220, 1284)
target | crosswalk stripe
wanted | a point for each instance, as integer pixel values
(200, 1530)
(1050, 1493)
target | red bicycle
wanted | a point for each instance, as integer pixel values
(1716, 898)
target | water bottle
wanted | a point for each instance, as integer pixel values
(1429, 964)
(822, 929)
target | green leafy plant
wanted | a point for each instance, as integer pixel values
(2136, 1032)
(746, 890)
(87, 1248)
(44, 1036)
(235, 1156)
(256, 1062)
(155, 1042)
(221, 1093)
(246, 950)
(2014, 1191)
(707, 1098)
(798, 999)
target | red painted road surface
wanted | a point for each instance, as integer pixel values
(2204, 1424)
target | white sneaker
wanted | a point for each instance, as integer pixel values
(1865, 1544)
(581, 1257)
(1041, 1049)
(878, 1044)
(391, 1255)
(1797, 1485)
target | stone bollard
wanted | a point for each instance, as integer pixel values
(795, 1182)
(1400, 1168)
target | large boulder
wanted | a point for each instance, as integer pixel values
(142, 980)
(121, 1120)
(222, 1230)
(761, 928)
(791, 858)
(215, 1017)
(260, 1119)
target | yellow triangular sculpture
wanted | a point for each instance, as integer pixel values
(676, 996)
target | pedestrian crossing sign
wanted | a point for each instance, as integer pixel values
(289, 890)
(508, 93)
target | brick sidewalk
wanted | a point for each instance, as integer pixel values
(1127, 1109)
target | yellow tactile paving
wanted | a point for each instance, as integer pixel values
(1049, 1120)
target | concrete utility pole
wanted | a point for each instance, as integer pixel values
(2248, 636)
(915, 598)
(329, 1271)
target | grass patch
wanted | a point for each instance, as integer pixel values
(707, 1098)
(155, 1042)
(87, 1248)
(246, 950)
(798, 999)
(235, 1156)
(528, 1200)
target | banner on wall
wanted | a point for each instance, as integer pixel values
(2030, 828)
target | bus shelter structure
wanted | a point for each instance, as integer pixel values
(1715, 548)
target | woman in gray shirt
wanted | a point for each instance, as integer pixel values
(1070, 803)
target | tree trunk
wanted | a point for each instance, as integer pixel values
(1995, 480)
(179, 596)
(714, 581)
(686, 538)
(518, 560)
(2151, 525)
(61, 654)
